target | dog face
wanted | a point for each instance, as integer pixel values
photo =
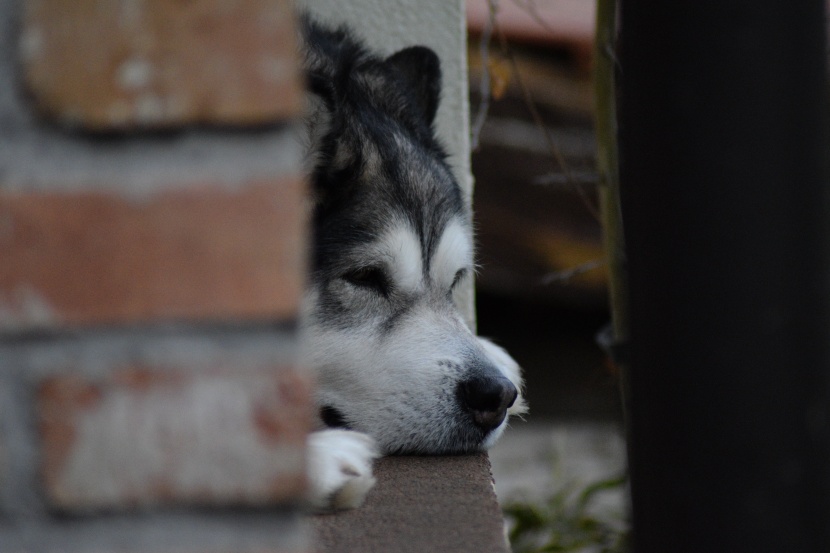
(392, 241)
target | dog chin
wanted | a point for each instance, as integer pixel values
(461, 441)
(494, 435)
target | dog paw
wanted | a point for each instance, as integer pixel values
(340, 468)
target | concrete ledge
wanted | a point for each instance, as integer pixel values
(421, 504)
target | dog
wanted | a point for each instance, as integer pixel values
(398, 371)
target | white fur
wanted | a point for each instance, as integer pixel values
(513, 373)
(339, 468)
(454, 252)
(402, 251)
(396, 386)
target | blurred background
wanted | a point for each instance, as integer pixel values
(541, 289)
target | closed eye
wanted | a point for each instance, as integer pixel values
(369, 278)
(458, 276)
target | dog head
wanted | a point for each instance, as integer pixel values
(392, 241)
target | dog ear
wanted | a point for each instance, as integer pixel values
(421, 68)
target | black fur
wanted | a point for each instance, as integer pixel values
(421, 68)
(386, 106)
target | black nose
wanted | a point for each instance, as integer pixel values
(488, 399)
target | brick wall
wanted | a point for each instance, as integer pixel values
(151, 261)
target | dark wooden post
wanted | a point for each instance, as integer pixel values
(725, 204)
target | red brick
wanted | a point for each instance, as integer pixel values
(109, 64)
(153, 435)
(204, 253)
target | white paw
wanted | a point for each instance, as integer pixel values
(340, 468)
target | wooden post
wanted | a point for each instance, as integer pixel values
(724, 195)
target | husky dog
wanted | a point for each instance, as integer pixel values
(398, 370)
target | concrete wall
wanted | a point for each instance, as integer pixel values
(389, 25)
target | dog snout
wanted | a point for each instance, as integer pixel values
(487, 398)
